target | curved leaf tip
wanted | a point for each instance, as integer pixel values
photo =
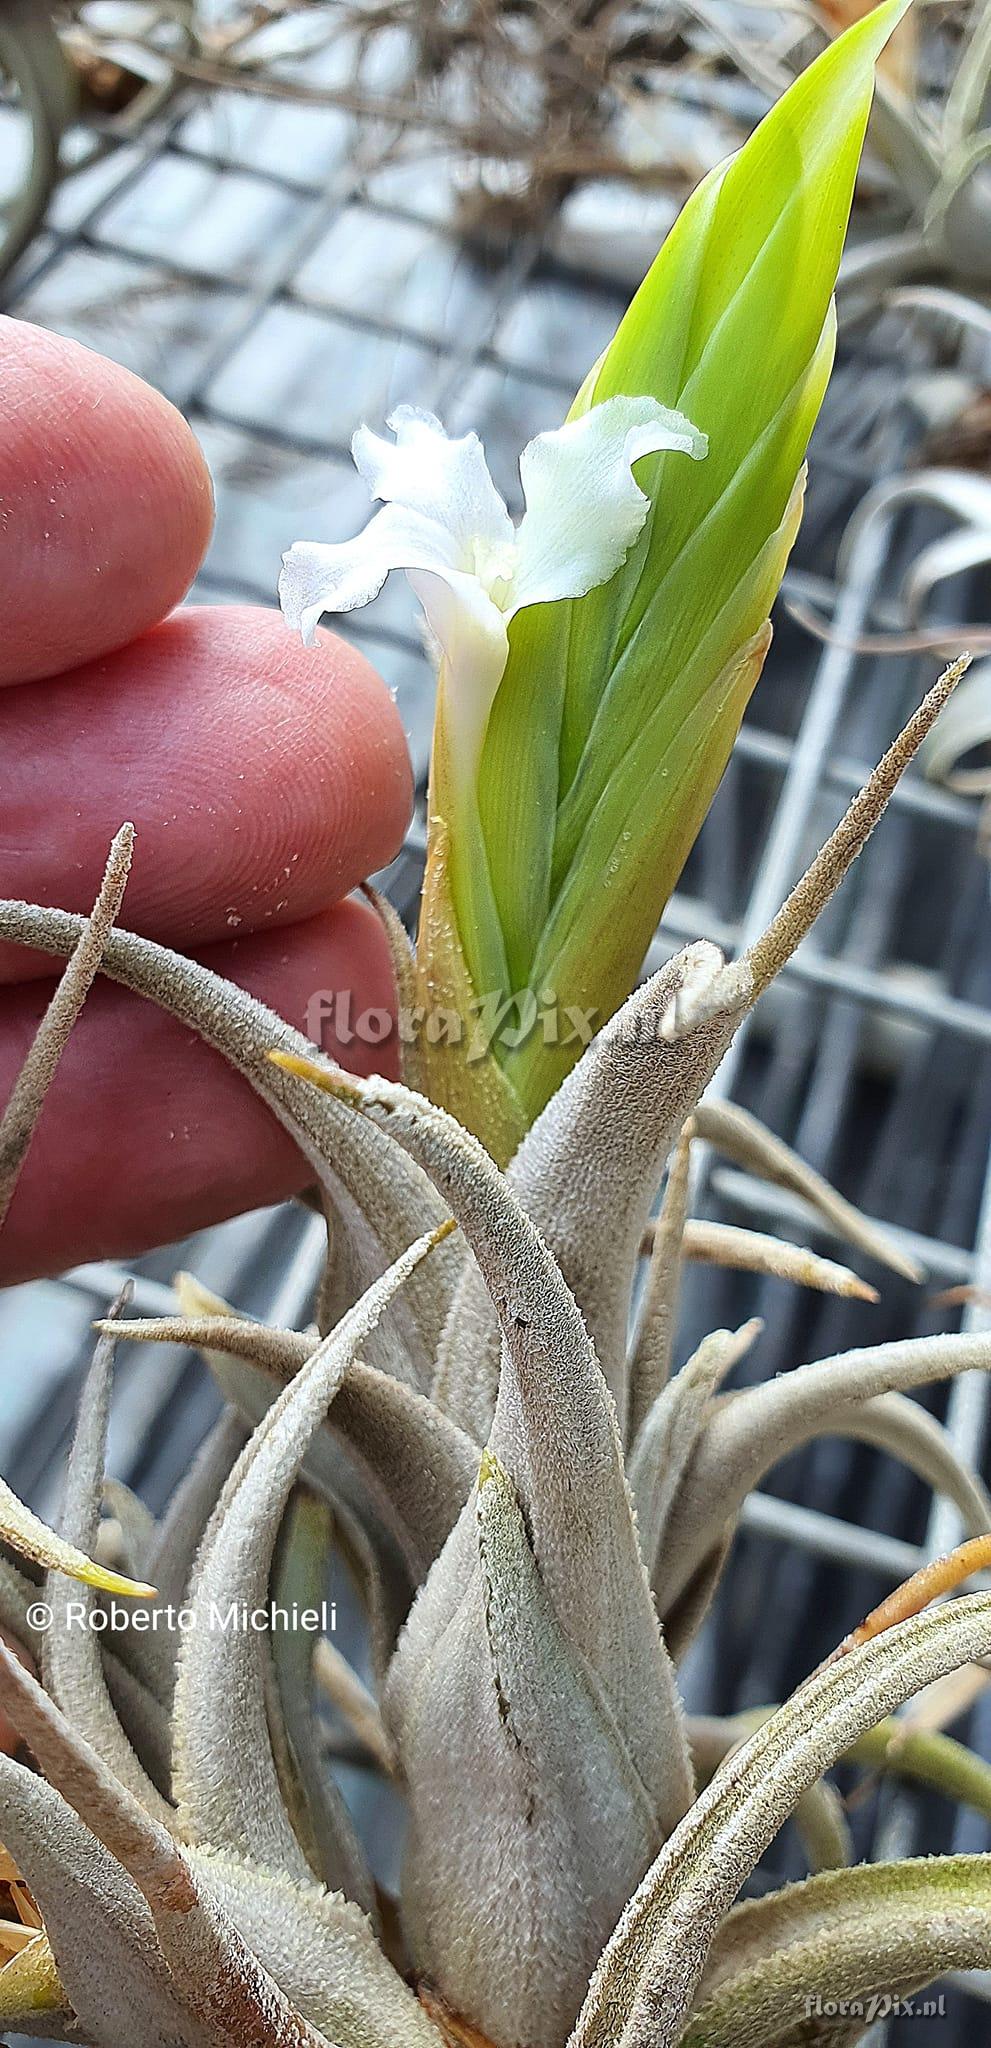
(32, 1538)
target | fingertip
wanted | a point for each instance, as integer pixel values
(107, 503)
(265, 779)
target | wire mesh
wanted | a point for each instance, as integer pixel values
(257, 263)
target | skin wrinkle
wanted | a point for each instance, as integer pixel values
(243, 819)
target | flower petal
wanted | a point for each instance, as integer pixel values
(471, 632)
(341, 576)
(446, 480)
(583, 508)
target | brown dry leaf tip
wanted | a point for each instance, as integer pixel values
(899, 62)
(942, 1575)
(15, 1936)
(965, 1296)
(455, 2032)
(347, 1695)
(810, 896)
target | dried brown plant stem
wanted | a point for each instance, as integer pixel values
(921, 639)
(809, 897)
(454, 2032)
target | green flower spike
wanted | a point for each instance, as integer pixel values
(595, 662)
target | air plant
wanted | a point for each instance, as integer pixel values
(527, 103)
(534, 1507)
(946, 169)
(595, 666)
(537, 1513)
(31, 61)
(958, 756)
(955, 752)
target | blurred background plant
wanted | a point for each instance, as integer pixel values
(528, 102)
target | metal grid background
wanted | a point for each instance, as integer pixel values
(250, 260)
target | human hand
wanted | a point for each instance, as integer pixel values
(264, 781)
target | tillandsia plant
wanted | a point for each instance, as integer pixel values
(536, 1513)
(534, 1509)
(594, 665)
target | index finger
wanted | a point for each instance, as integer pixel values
(105, 504)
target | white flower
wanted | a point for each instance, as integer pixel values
(445, 524)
